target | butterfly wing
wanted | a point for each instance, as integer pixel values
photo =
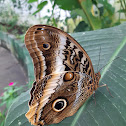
(63, 72)
(55, 98)
(53, 50)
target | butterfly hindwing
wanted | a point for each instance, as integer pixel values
(52, 88)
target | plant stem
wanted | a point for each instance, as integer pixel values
(122, 7)
(80, 2)
(124, 4)
(119, 14)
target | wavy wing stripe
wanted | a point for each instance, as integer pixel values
(35, 109)
(36, 54)
(43, 62)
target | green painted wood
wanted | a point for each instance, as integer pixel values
(18, 49)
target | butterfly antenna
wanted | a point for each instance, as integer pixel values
(99, 58)
(108, 63)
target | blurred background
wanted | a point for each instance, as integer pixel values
(16, 16)
(69, 15)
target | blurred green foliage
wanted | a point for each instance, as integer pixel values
(95, 14)
(84, 15)
(9, 19)
(11, 92)
(9, 22)
(40, 6)
(7, 97)
(122, 7)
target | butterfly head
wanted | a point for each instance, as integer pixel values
(97, 78)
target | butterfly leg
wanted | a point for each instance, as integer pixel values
(105, 85)
(94, 97)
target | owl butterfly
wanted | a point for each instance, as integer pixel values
(64, 75)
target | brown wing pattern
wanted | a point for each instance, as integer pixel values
(55, 55)
(53, 50)
(52, 87)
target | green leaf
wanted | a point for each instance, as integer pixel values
(31, 1)
(36, 11)
(67, 4)
(40, 7)
(82, 26)
(122, 11)
(9, 102)
(107, 6)
(107, 111)
(94, 22)
(2, 123)
(1, 104)
(42, 4)
(6, 95)
(81, 13)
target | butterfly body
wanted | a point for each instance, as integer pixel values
(64, 74)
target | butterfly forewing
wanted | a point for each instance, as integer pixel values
(53, 50)
(64, 75)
